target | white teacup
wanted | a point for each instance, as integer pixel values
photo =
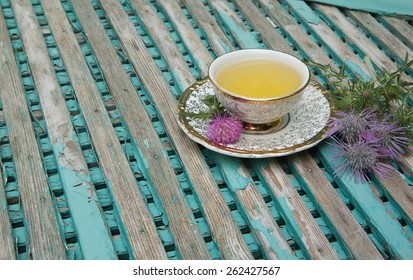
(259, 114)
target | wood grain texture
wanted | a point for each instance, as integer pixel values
(216, 37)
(356, 37)
(7, 249)
(363, 196)
(187, 237)
(400, 193)
(188, 35)
(400, 28)
(250, 201)
(334, 210)
(139, 227)
(375, 29)
(307, 232)
(261, 24)
(276, 12)
(87, 217)
(45, 239)
(223, 228)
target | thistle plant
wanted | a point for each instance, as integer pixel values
(223, 128)
(374, 119)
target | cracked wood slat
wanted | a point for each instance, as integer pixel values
(87, 217)
(333, 209)
(137, 224)
(375, 29)
(186, 234)
(263, 226)
(307, 232)
(45, 239)
(188, 35)
(385, 227)
(216, 37)
(400, 28)
(223, 228)
(7, 249)
(400, 193)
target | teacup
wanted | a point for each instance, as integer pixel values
(259, 86)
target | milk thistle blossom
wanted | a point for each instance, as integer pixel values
(351, 125)
(224, 129)
(393, 141)
(360, 157)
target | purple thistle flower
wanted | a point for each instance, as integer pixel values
(392, 140)
(224, 129)
(360, 157)
(351, 125)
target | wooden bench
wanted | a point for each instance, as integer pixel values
(95, 165)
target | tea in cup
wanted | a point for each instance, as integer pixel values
(259, 86)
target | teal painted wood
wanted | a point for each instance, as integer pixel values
(384, 226)
(385, 7)
(262, 223)
(84, 208)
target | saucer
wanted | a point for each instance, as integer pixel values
(306, 127)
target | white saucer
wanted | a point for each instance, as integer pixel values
(306, 128)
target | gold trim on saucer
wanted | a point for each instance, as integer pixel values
(194, 135)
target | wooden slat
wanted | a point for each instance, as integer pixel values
(188, 35)
(400, 193)
(262, 25)
(186, 234)
(45, 239)
(216, 37)
(7, 250)
(163, 41)
(138, 225)
(375, 29)
(400, 28)
(307, 232)
(356, 37)
(276, 12)
(384, 226)
(229, 241)
(263, 225)
(406, 164)
(87, 217)
(334, 210)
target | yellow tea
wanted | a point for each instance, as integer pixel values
(259, 78)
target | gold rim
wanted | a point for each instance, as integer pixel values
(243, 99)
(205, 142)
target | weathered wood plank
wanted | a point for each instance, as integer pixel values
(7, 249)
(333, 209)
(216, 37)
(229, 241)
(163, 40)
(384, 226)
(400, 193)
(139, 227)
(356, 37)
(186, 234)
(400, 28)
(307, 232)
(375, 29)
(276, 12)
(261, 24)
(188, 35)
(87, 217)
(45, 239)
(263, 225)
